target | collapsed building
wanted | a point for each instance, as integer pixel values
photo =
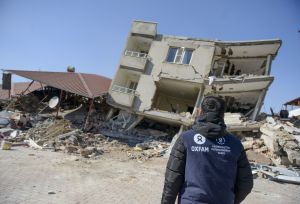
(164, 78)
(157, 89)
(80, 92)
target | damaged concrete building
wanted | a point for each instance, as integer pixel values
(164, 78)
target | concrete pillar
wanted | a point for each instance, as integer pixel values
(268, 65)
(264, 92)
(198, 101)
(135, 123)
(259, 104)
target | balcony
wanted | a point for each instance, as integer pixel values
(122, 95)
(134, 60)
(147, 29)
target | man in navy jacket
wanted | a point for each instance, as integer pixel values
(207, 164)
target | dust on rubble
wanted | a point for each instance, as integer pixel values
(60, 135)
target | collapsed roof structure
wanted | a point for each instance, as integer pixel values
(87, 85)
(19, 88)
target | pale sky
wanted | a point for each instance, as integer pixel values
(49, 35)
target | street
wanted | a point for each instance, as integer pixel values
(32, 176)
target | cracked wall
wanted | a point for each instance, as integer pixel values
(198, 68)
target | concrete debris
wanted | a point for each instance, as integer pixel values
(91, 128)
(63, 135)
(33, 144)
(146, 150)
(276, 143)
(280, 140)
(233, 118)
(4, 122)
(237, 122)
(279, 174)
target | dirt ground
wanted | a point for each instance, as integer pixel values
(31, 176)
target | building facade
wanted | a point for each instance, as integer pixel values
(164, 78)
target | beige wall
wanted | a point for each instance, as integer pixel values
(200, 64)
(124, 77)
(198, 68)
(145, 93)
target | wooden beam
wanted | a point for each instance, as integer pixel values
(59, 103)
(91, 106)
(22, 93)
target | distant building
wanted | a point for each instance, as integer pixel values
(164, 78)
(294, 107)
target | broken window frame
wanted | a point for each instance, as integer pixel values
(180, 55)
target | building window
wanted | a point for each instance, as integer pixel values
(179, 55)
(133, 85)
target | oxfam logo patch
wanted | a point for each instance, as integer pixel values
(220, 140)
(199, 139)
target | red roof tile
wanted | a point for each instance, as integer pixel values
(88, 85)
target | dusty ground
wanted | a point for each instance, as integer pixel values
(31, 176)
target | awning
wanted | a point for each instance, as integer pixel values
(87, 85)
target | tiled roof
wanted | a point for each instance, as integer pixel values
(88, 85)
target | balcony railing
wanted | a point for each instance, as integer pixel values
(122, 89)
(122, 95)
(135, 54)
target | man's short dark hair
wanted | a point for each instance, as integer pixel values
(213, 104)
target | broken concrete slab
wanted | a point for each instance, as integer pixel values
(33, 144)
(271, 143)
(248, 144)
(68, 134)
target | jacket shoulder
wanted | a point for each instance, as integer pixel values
(188, 133)
(235, 140)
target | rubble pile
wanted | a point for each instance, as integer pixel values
(146, 150)
(48, 130)
(279, 174)
(239, 122)
(282, 141)
(96, 122)
(90, 122)
(276, 143)
(61, 135)
(272, 141)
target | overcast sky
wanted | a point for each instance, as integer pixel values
(49, 35)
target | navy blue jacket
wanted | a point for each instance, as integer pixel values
(204, 169)
(216, 162)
